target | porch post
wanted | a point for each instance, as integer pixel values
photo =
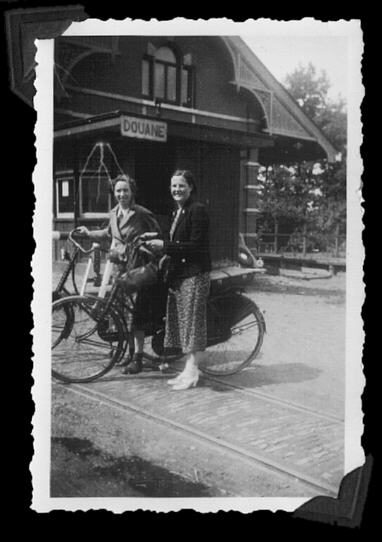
(76, 180)
(248, 214)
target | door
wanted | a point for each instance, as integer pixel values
(154, 165)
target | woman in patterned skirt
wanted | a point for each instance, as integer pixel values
(188, 277)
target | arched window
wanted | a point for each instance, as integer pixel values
(167, 78)
(165, 67)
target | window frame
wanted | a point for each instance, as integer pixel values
(149, 60)
(190, 86)
(179, 67)
(166, 65)
(58, 178)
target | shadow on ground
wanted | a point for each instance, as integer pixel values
(253, 377)
(81, 470)
(258, 376)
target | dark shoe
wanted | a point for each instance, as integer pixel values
(135, 367)
(127, 360)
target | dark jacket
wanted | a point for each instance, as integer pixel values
(189, 249)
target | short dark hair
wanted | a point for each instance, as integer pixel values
(188, 177)
(126, 179)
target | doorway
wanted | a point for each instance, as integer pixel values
(154, 165)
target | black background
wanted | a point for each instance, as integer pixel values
(18, 161)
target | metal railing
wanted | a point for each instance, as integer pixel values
(333, 245)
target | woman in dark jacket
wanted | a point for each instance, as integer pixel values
(188, 278)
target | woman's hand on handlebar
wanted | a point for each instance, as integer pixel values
(156, 245)
(81, 230)
(148, 235)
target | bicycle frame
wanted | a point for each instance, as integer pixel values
(226, 309)
(107, 274)
(70, 267)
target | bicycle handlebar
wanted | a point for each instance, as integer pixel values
(58, 235)
(80, 247)
(138, 243)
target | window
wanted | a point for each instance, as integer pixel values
(164, 77)
(146, 68)
(165, 67)
(187, 89)
(159, 81)
(95, 195)
(64, 196)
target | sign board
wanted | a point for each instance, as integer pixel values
(143, 128)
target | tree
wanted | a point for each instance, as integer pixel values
(332, 120)
(289, 199)
(309, 90)
(311, 93)
(312, 197)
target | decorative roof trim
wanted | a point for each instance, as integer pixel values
(261, 82)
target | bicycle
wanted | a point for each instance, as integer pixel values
(94, 261)
(90, 335)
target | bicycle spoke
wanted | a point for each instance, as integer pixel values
(232, 347)
(96, 344)
(243, 328)
(84, 346)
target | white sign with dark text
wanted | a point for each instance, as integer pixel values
(144, 128)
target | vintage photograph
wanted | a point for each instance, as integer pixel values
(193, 198)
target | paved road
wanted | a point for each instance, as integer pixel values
(276, 429)
(303, 356)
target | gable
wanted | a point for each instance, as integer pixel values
(283, 115)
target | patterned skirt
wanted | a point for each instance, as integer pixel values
(186, 326)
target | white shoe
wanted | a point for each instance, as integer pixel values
(175, 380)
(188, 381)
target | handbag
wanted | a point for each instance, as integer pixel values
(140, 277)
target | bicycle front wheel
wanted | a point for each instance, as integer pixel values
(87, 338)
(235, 328)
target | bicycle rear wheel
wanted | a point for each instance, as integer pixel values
(235, 330)
(87, 339)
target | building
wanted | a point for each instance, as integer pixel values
(147, 105)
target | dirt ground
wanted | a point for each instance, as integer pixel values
(79, 469)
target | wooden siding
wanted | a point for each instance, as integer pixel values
(121, 74)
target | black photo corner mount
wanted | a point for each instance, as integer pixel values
(347, 509)
(23, 26)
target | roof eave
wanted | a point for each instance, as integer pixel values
(236, 44)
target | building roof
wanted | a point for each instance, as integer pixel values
(283, 115)
(293, 135)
